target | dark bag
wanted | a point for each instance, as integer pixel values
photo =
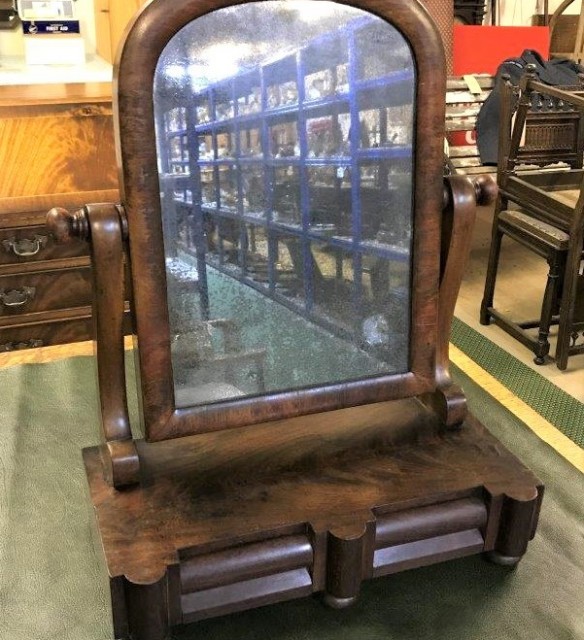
(553, 72)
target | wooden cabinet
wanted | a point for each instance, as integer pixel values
(111, 19)
(56, 139)
(45, 289)
(56, 149)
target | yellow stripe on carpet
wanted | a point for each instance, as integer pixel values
(544, 430)
(50, 354)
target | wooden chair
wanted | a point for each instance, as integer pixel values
(561, 33)
(536, 208)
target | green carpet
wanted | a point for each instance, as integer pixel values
(52, 585)
(556, 406)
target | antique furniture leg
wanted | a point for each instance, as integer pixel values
(556, 262)
(145, 615)
(102, 225)
(569, 291)
(519, 513)
(492, 264)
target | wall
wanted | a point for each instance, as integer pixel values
(12, 42)
(519, 12)
(511, 12)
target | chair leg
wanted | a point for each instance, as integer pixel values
(542, 348)
(567, 304)
(493, 265)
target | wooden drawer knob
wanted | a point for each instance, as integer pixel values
(66, 226)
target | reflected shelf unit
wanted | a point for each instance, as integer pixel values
(285, 168)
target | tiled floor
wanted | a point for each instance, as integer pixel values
(519, 289)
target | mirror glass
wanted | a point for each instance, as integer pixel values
(285, 147)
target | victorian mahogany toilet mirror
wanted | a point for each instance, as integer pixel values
(288, 127)
(294, 257)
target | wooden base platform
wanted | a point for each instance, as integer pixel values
(239, 519)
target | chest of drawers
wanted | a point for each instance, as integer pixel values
(56, 149)
(45, 288)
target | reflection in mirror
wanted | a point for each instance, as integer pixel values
(285, 149)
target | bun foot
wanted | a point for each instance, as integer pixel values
(505, 561)
(338, 603)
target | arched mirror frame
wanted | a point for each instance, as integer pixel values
(135, 138)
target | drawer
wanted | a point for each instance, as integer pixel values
(73, 325)
(46, 334)
(20, 245)
(32, 292)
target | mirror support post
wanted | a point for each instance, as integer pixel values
(461, 197)
(103, 226)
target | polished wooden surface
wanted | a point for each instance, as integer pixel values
(461, 196)
(133, 100)
(45, 288)
(56, 148)
(231, 520)
(378, 481)
(23, 95)
(55, 140)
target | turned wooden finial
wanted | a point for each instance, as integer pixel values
(486, 189)
(66, 227)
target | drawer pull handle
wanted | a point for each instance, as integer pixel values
(19, 346)
(25, 247)
(17, 297)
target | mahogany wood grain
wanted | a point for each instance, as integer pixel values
(48, 328)
(102, 225)
(13, 96)
(134, 119)
(32, 243)
(237, 519)
(281, 554)
(32, 210)
(30, 258)
(59, 289)
(461, 196)
(55, 146)
(105, 229)
(324, 487)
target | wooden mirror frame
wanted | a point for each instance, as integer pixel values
(134, 75)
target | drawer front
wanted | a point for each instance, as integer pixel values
(28, 293)
(75, 326)
(45, 334)
(29, 244)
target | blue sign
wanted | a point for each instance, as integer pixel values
(35, 27)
